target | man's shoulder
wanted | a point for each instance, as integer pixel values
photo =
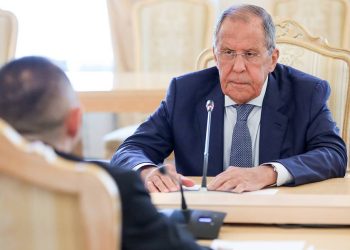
(289, 79)
(186, 91)
(287, 72)
(205, 74)
(196, 82)
(293, 84)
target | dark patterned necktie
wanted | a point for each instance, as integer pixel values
(241, 148)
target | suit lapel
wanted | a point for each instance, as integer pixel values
(273, 123)
(215, 165)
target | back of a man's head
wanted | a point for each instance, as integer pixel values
(35, 97)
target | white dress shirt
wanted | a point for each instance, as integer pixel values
(253, 122)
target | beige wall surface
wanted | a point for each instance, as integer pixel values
(125, 41)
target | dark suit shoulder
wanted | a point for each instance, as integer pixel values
(286, 74)
(298, 85)
(195, 85)
(204, 73)
(203, 78)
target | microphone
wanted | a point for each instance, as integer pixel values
(210, 106)
(203, 224)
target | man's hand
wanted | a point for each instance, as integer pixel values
(157, 182)
(238, 180)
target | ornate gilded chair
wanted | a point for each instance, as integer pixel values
(167, 37)
(312, 55)
(326, 18)
(47, 202)
(8, 36)
(205, 59)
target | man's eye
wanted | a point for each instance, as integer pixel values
(229, 52)
(250, 54)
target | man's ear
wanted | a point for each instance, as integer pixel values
(216, 60)
(274, 59)
(73, 122)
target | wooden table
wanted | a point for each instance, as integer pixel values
(267, 217)
(326, 202)
(127, 92)
(318, 238)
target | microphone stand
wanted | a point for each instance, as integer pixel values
(210, 107)
(203, 224)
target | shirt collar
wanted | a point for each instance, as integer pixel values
(257, 101)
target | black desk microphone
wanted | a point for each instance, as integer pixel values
(203, 224)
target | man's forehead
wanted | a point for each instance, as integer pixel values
(250, 33)
(242, 18)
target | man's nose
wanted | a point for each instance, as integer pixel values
(238, 64)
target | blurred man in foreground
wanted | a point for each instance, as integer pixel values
(37, 99)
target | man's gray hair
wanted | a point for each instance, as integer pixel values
(243, 12)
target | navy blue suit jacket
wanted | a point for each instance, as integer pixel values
(296, 127)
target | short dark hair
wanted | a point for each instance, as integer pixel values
(35, 95)
(244, 11)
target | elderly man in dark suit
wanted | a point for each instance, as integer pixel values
(270, 126)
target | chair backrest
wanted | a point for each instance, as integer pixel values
(169, 34)
(205, 59)
(8, 36)
(314, 56)
(47, 202)
(326, 18)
